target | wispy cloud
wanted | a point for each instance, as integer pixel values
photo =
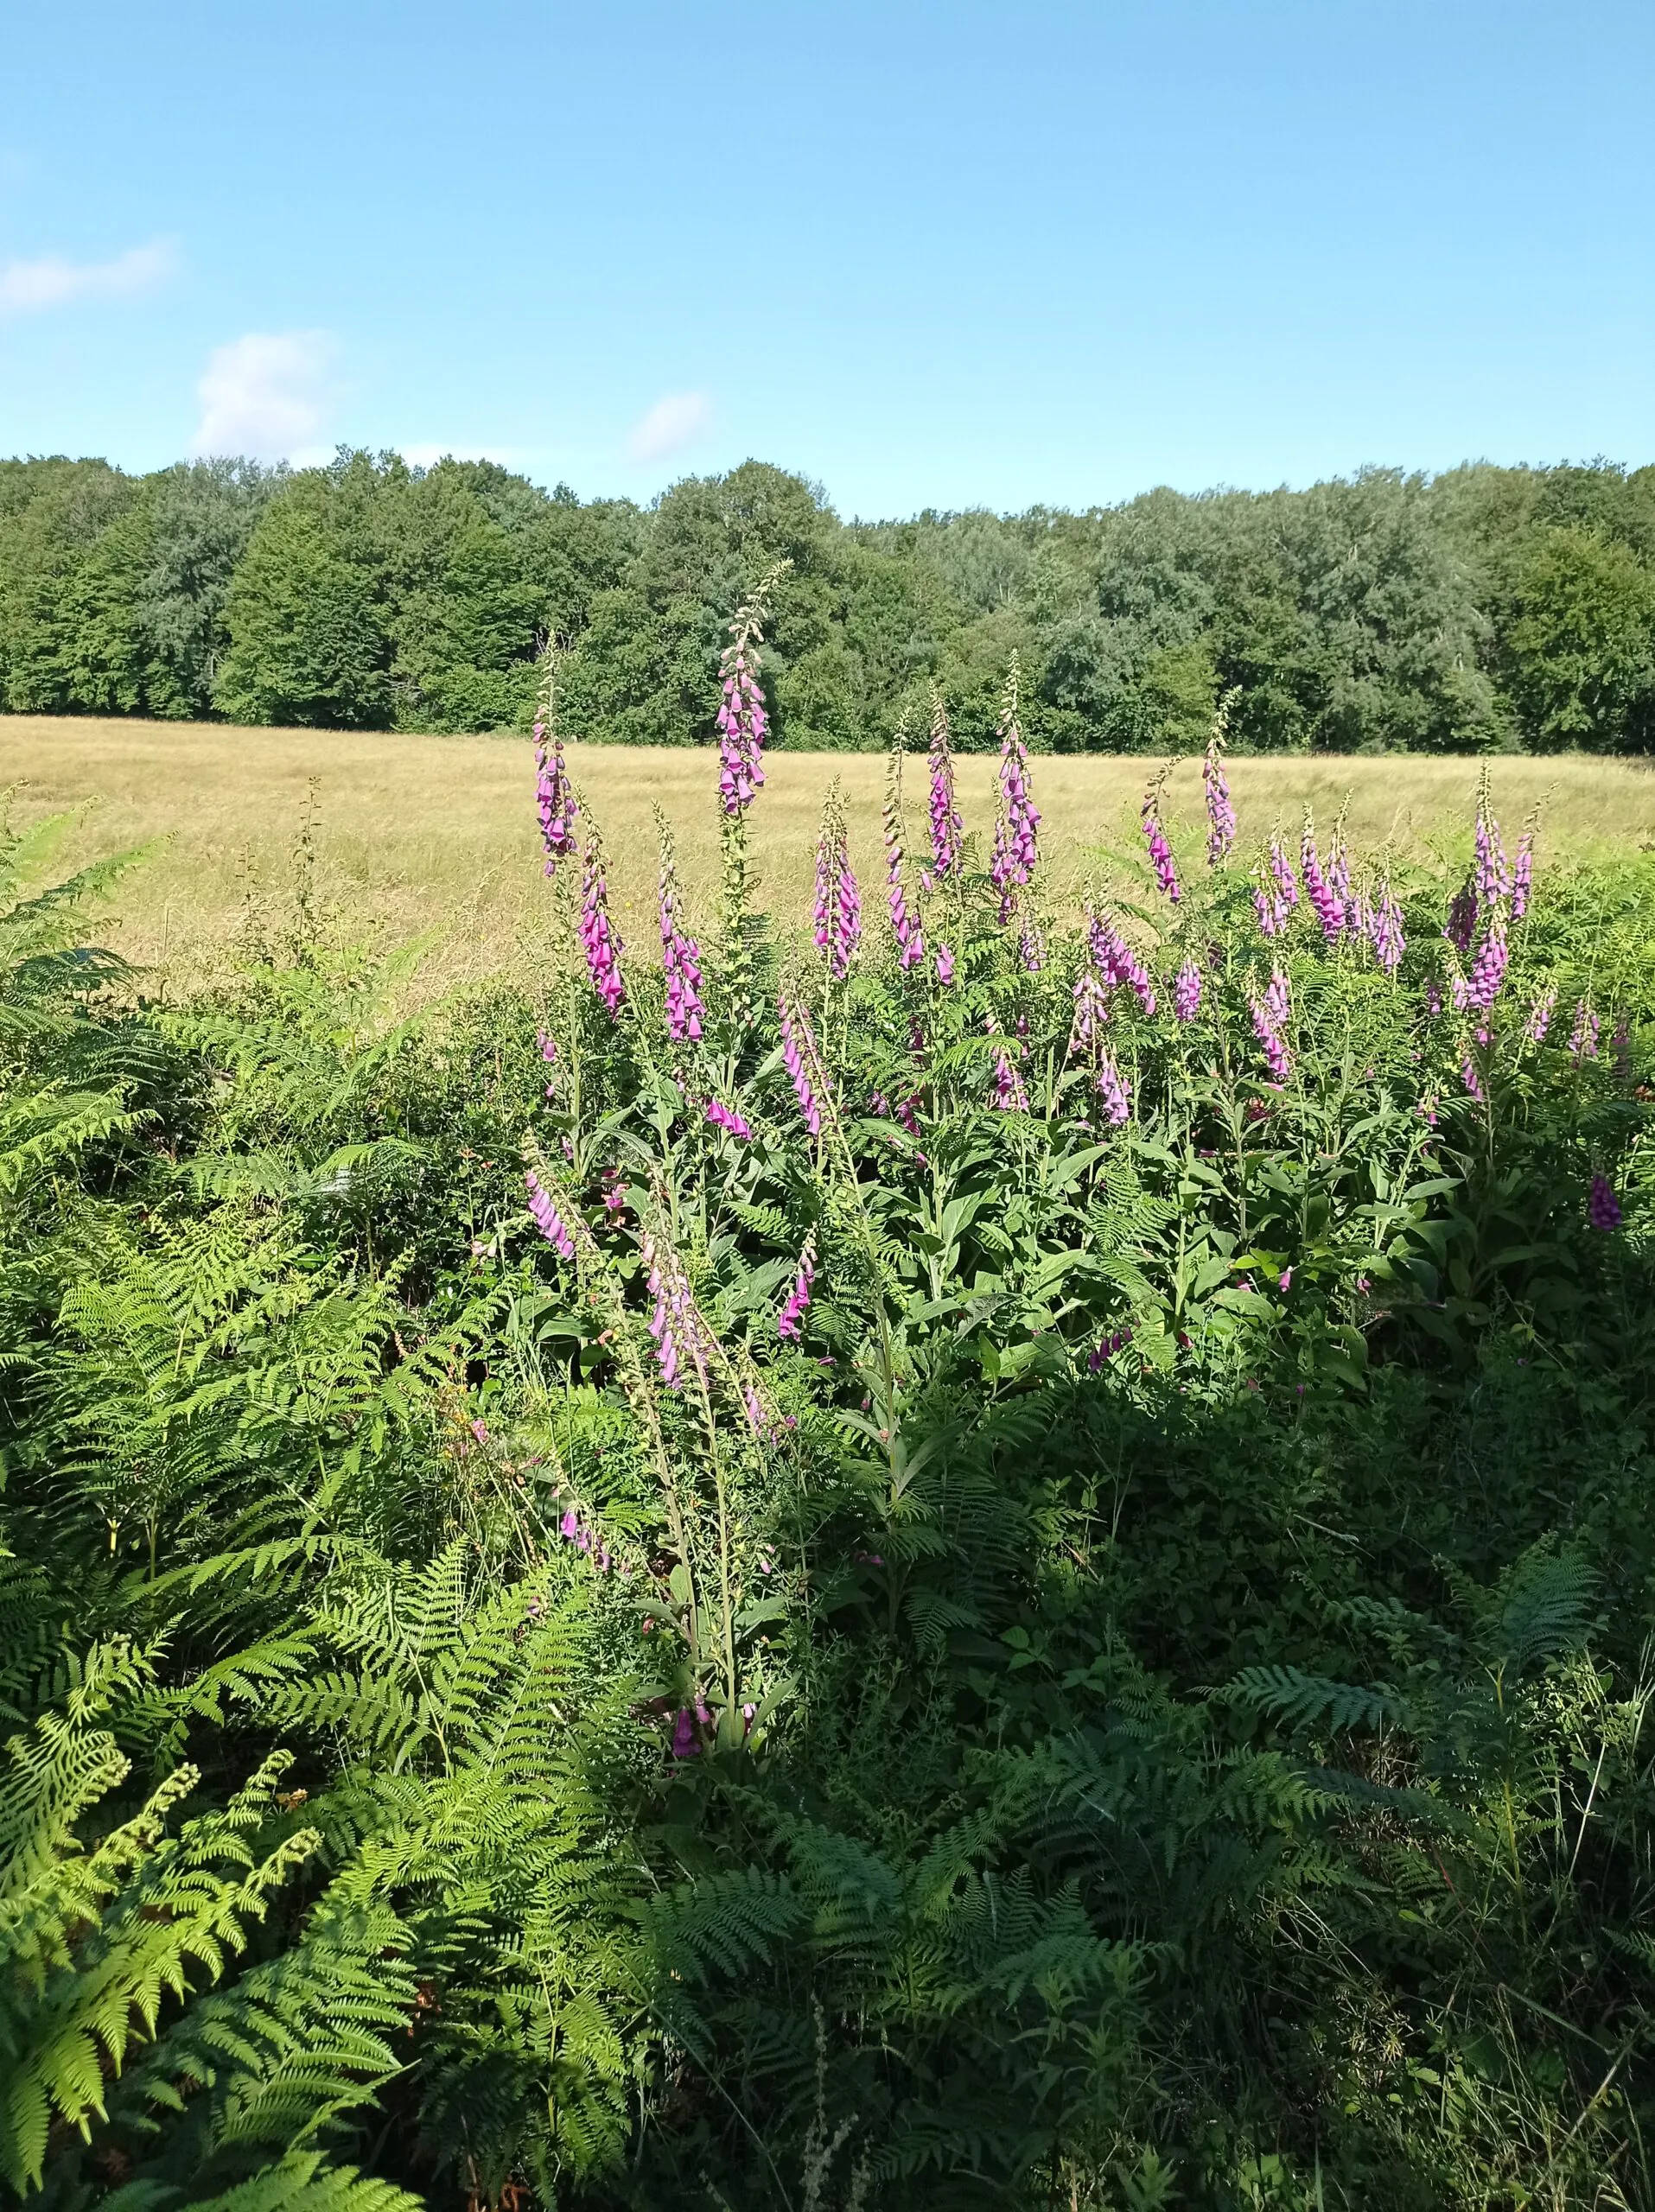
(265, 395)
(670, 425)
(30, 287)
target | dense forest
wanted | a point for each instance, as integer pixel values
(1485, 609)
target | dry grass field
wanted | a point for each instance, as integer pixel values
(416, 834)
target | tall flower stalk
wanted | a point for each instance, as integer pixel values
(600, 939)
(680, 954)
(906, 925)
(1011, 864)
(946, 829)
(743, 723)
(1220, 810)
(836, 915)
(555, 804)
(1155, 836)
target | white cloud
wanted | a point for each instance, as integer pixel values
(28, 287)
(670, 425)
(266, 395)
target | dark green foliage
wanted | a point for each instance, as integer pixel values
(965, 1756)
(1487, 608)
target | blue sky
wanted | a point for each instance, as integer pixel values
(930, 254)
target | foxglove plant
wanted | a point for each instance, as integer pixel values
(945, 966)
(600, 939)
(1482, 986)
(1269, 1016)
(1220, 812)
(803, 1062)
(1583, 1040)
(1118, 963)
(1540, 1016)
(1111, 1090)
(1011, 864)
(1155, 836)
(1383, 922)
(1008, 1096)
(905, 921)
(1491, 871)
(1328, 905)
(548, 1219)
(1031, 949)
(680, 955)
(946, 829)
(836, 915)
(742, 722)
(1462, 923)
(725, 1117)
(790, 1322)
(1187, 992)
(1523, 874)
(1603, 1207)
(555, 804)
(683, 1340)
(1276, 892)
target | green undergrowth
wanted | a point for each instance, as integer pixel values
(1139, 1703)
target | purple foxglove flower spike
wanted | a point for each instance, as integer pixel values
(548, 1220)
(1031, 949)
(1187, 992)
(1540, 1016)
(803, 1062)
(1603, 1208)
(742, 722)
(1220, 813)
(1469, 1077)
(1269, 1015)
(1329, 906)
(1584, 1041)
(1111, 1090)
(680, 955)
(681, 1337)
(1009, 1095)
(1523, 875)
(790, 1321)
(945, 966)
(1011, 864)
(1155, 837)
(905, 922)
(725, 1117)
(837, 911)
(1488, 968)
(1382, 921)
(1462, 923)
(1491, 871)
(554, 800)
(946, 829)
(598, 939)
(1118, 963)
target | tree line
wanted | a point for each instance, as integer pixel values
(1484, 609)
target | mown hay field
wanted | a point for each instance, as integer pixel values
(417, 834)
